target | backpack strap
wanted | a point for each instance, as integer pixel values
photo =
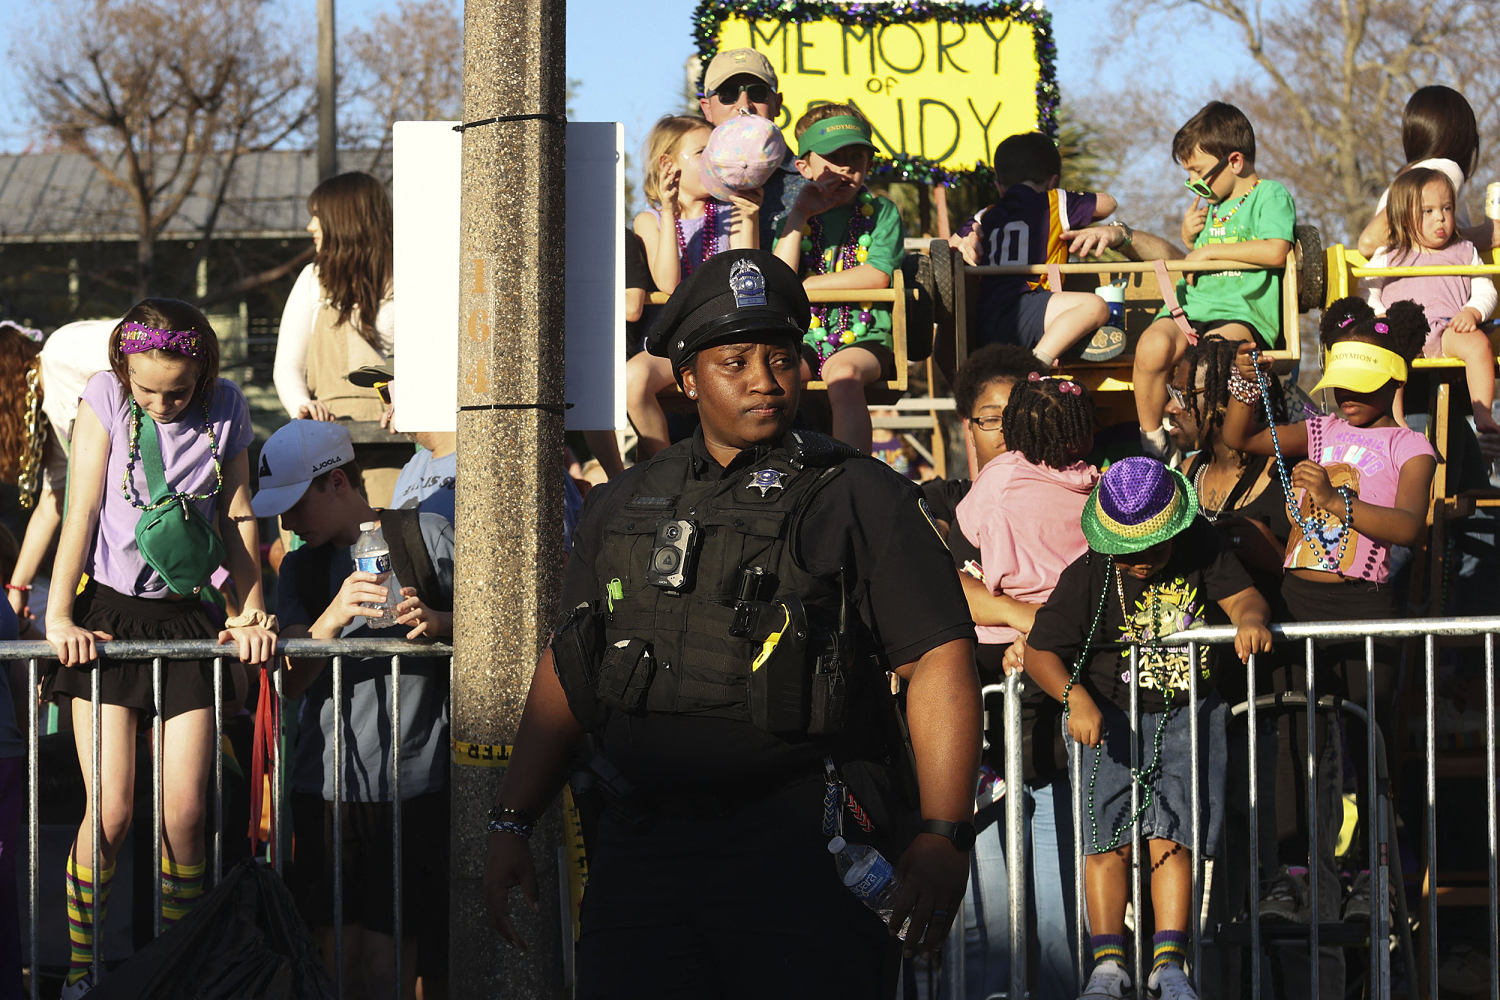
(409, 559)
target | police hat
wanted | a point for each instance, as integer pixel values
(733, 295)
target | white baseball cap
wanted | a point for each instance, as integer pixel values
(294, 456)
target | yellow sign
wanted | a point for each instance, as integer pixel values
(942, 92)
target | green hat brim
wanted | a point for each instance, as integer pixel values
(1102, 538)
(832, 134)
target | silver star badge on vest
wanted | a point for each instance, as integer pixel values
(766, 480)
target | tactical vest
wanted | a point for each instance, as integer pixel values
(748, 633)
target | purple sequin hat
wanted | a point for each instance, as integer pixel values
(1138, 503)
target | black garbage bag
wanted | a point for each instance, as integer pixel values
(244, 939)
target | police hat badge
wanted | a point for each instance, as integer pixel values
(747, 283)
(766, 480)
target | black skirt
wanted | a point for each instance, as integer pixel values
(186, 684)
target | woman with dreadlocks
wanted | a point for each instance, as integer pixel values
(1235, 489)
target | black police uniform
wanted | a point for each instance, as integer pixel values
(711, 877)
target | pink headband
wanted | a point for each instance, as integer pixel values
(138, 337)
(1063, 384)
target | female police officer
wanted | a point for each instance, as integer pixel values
(738, 600)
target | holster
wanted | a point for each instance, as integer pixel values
(799, 680)
(577, 653)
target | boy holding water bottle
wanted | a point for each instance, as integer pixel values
(309, 479)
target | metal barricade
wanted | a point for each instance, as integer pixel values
(1382, 937)
(36, 654)
(1420, 976)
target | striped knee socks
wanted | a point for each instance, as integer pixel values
(181, 887)
(83, 914)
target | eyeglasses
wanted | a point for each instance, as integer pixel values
(1200, 186)
(729, 94)
(1181, 396)
(989, 422)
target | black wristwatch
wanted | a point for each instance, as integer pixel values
(961, 834)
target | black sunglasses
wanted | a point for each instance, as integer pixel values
(760, 93)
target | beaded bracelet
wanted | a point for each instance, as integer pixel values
(1243, 389)
(20, 588)
(522, 830)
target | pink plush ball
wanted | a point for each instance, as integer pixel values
(741, 155)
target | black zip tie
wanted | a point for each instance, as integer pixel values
(549, 407)
(545, 117)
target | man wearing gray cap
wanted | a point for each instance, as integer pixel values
(743, 82)
(742, 606)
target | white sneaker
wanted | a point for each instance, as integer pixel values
(1169, 982)
(1109, 982)
(72, 991)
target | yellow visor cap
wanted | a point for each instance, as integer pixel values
(1360, 367)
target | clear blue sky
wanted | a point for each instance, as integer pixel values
(630, 65)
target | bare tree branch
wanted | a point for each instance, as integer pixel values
(153, 92)
(1329, 80)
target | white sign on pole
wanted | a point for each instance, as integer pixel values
(595, 300)
(427, 165)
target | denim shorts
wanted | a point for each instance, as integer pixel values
(1022, 320)
(1168, 813)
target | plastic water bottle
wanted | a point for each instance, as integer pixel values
(866, 873)
(373, 555)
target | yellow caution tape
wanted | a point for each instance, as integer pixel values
(481, 754)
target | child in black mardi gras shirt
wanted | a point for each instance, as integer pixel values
(1152, 568)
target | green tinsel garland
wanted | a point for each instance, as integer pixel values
(711, 14)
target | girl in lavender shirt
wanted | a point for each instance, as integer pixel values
(1424, 233)
(164, 361)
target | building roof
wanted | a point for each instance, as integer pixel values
(62, 197)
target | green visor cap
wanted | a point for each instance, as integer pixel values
(832, 134)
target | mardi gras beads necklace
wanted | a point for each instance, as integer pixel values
(710, 235)
(127, 481)
(1330, 554)
(1219, 220)
(1141, 776)
(831, 327)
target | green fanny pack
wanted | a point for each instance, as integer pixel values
(174, 539)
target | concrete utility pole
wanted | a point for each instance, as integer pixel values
(510, 446)
(328, 157)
